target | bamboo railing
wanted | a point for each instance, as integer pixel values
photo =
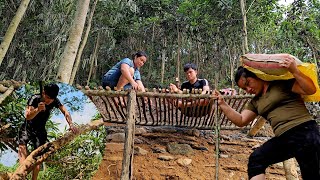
(159, 108)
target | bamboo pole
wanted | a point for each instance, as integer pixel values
(3, 88)
(15, 84)
(217, 132)
(156, 94)
(93, 58)
(70, 51)
(257, 126)
(83, 44)
(127, 172)
(4, 46)
(6, 94)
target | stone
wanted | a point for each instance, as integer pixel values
(184, 161)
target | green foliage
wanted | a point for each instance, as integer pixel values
(210, 32)
(79, 159)
(7, 169)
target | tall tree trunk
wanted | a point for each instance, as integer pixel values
(92, 58)
(231, 65)
(151, 54)
(198, 56)
(12, 29)
(258, 48)
(178, 55)
(163, 59)
(83, 44)
(244, 30)
(95, 67)
(71, 49)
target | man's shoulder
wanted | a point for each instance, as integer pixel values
(34, 99)
(56, 103)
(186, 84)
(35, 96)
(203, 80)
(200, 83)
(287, 84)
(126, 61)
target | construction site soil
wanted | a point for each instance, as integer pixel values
(155, 162)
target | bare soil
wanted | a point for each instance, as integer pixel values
(235, 148)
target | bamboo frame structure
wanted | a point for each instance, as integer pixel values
(159, 108)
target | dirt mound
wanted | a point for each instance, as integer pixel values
(153, 161)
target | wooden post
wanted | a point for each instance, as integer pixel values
(217, 129)
(127, 172)
(257, 126)
(244, 28)
(290, 169)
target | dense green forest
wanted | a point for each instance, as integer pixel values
(212, 34)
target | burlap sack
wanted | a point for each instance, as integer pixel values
(266, 67)
(268, 63)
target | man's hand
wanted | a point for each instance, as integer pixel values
(135, 85)
(173, 88)
(73, 128)
(219, 96)
(290, 64)
(41, 107)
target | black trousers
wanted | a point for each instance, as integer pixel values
(301, 142)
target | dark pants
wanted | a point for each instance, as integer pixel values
(38, 138)
(301, 142)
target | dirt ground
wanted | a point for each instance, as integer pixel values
(235, 148)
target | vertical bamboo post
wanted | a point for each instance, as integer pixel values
(257, 126)
(127, 172)
(217, 130)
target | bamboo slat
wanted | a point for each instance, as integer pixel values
(159, 108)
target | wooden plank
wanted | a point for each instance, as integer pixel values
(127, 172)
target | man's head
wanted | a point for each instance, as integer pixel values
(51, 91)
(248, 81)
(191, 71)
